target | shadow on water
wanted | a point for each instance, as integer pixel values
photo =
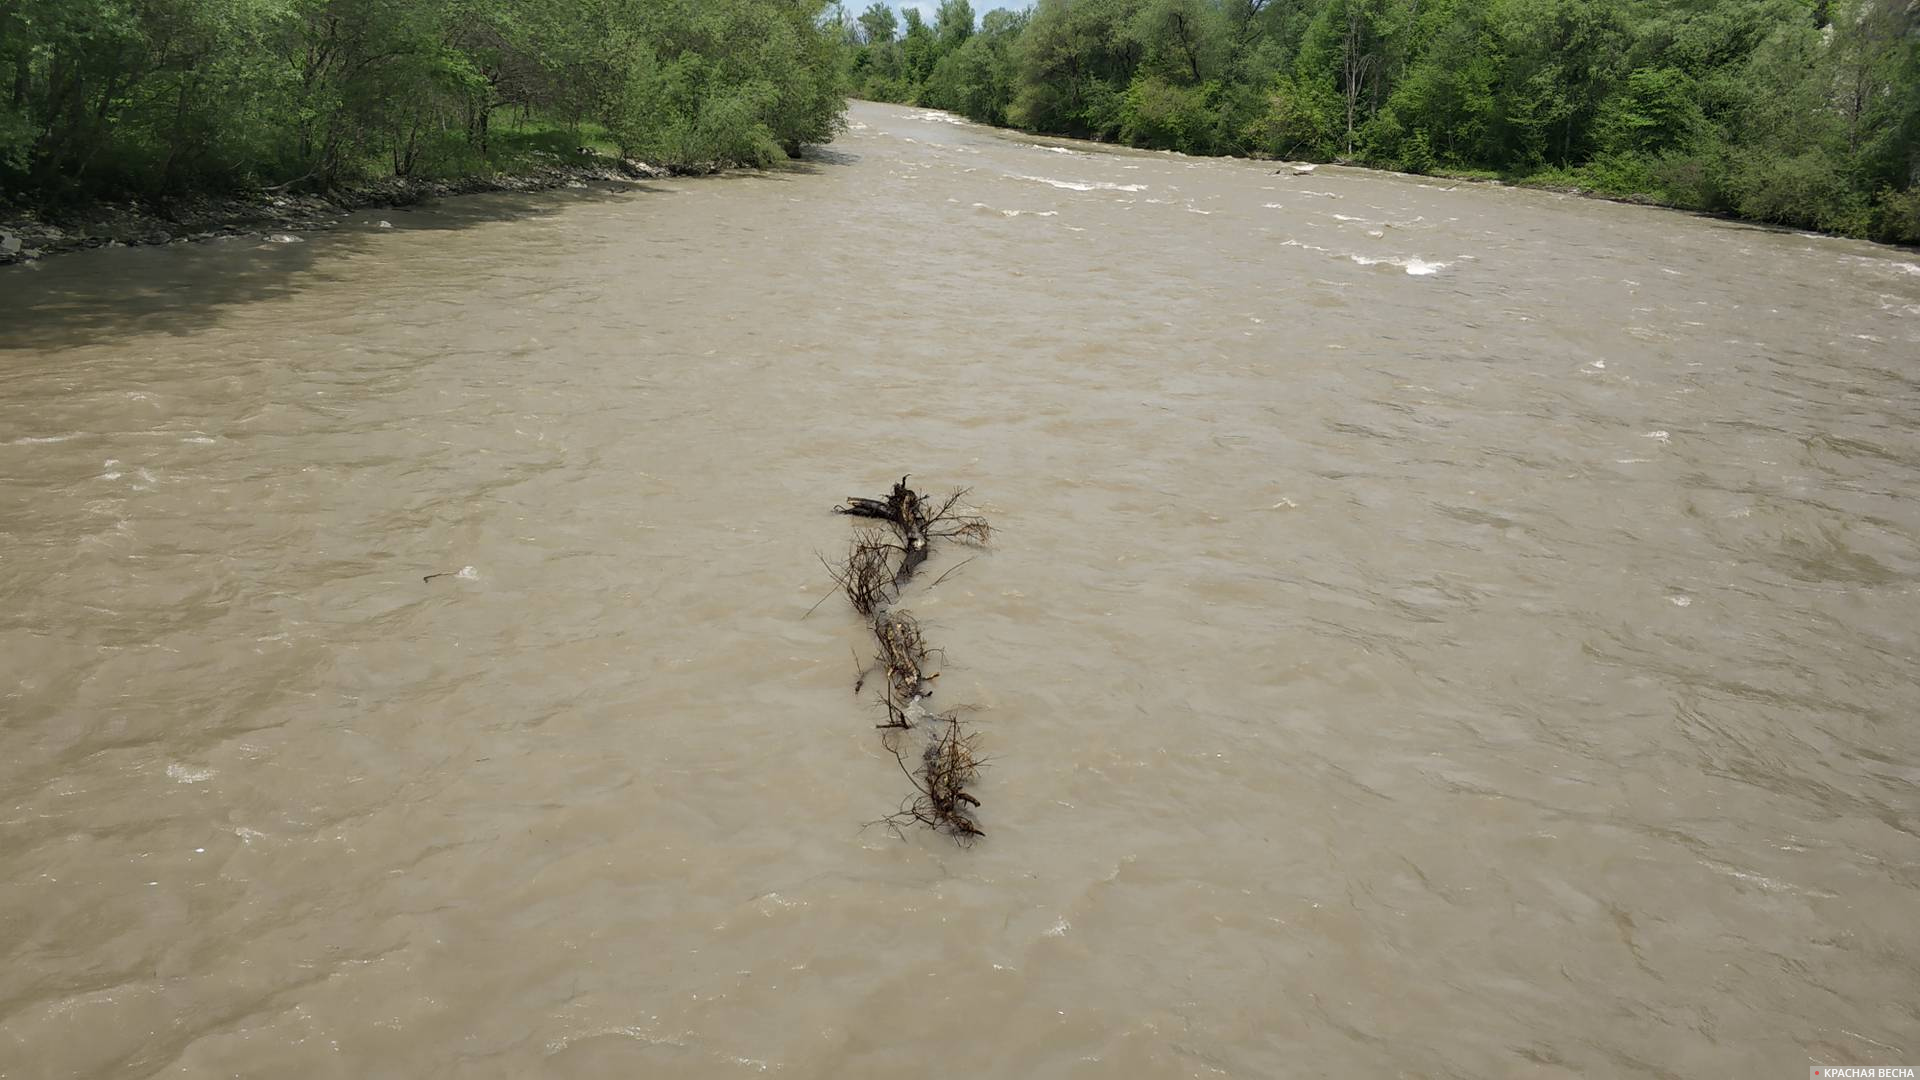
(822, 155)
(88, 297)
(1729, 223)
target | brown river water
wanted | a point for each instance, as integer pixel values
(1432, 631)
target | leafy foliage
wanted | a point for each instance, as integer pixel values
(150, 97)
(1801, 112)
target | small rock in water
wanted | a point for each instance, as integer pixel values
(9, 243)
(1302, 170)
(385, 225)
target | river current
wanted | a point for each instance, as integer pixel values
(1432, 630)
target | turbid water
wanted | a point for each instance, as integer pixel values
(1432, 631)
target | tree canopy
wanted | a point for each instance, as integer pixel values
(148, 97)
(1799, 112)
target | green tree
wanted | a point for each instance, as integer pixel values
(158, 97)
(878, 23)
(953, 24)
(919, 49)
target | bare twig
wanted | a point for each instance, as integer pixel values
(950, 570)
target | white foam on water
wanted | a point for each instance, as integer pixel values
(468, 573)
(187, 774)
(1660, 436)
(40, 440)
(773, 902)
(1680, 601)
(1067, 184)
(1196, 210)
(934, 116)
(1415, 266)
(1273, 206)
(1074, 186)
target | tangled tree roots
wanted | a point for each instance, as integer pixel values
(879, 563)
(902, 658)
(867, 575)
(948, 765)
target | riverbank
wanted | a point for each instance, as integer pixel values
(1561, 182)
(28, 234)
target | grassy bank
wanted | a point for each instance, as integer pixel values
(32, 233)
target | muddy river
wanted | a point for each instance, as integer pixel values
(1433, 630)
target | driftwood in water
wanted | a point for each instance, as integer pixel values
(879, 564)
(918, 523)
(867, 574)
(902, 659)
(948, 766)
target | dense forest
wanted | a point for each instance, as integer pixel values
(110, 98)
(1798, 112)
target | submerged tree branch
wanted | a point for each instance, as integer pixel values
(880, 561)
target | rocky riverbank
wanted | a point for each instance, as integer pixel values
(27, 234)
